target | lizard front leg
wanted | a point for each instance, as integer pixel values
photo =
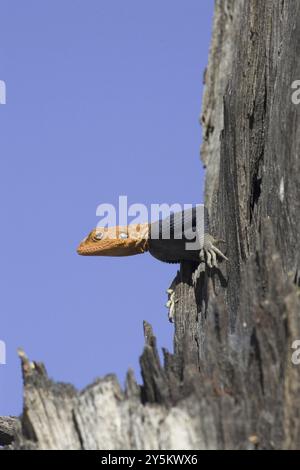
(172, 301)
(210, 251)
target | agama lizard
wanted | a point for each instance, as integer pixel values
(166, 239)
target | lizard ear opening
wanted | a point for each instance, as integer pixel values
(123, 235)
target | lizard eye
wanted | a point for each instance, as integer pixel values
(123, 235)
(99, 235)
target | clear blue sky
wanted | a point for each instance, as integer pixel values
(103, 99)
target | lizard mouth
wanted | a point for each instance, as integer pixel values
(82, 250)
(90, 250)
(115, 250)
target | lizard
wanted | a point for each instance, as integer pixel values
(169, 247)
(165, 239)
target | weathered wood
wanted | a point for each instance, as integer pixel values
(9, 426)
(230, 383)
(102, 416)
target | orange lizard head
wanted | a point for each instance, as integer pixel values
(116, 241)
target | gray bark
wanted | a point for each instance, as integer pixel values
(230, 383)
(9, 426)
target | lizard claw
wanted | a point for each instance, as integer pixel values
(219, 252)
(171, 304)
(211, 251)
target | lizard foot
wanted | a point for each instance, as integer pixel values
(196, 274)
(210, 251)
(171, 304)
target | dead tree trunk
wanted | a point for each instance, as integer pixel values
(230, 383)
